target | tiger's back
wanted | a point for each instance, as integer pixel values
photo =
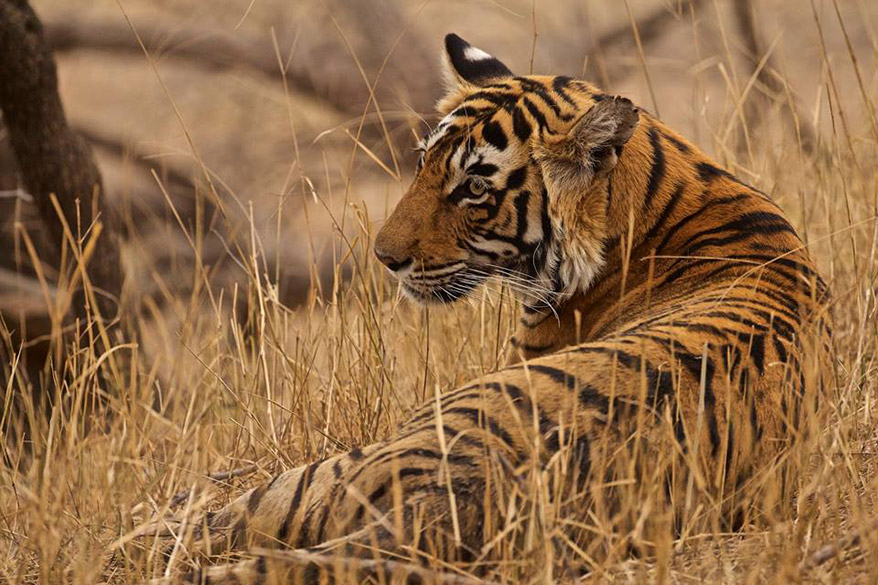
(671, 320)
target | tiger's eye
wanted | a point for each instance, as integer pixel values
(477, 187)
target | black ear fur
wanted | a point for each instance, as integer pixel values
(471, 64)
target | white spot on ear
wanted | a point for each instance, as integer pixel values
(476, 54)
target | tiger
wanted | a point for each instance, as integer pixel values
(670, 321)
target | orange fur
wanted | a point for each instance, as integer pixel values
(684, 310)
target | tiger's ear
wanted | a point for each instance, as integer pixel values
(571, 162)
(466, 68)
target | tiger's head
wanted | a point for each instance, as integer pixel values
(513, 182)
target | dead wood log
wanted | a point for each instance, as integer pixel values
(841, 547)
(53, 160)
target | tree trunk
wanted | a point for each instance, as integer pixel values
(51, 158)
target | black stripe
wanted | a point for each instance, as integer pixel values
(708, 172)
(696, 215)
(731, 358)
(589, 397)
(304, 531)
(560, 85)
(754, 422)
(516, 178)
(498, 98)
(322, 519)
(734, 317)
(478, 251)
(471, 392)
(238, 536)
(657, 172)
(404, 473)
(762, 302)
(521, 209)
(431, 427)
(582, 459)
(518, 397)
(697, 327)
(520, 124)
(304, 482)
(757, 352)
(546, 225)
(785, 262)
(255, 498)
(482, 169)
(752, 222)
(378, 493)
(493, 134)
(730, 445)
(470, 111)
(671, 277)
(659, 382)
(681, 146)
(737, 237)
(478, 418)
(780, 350)
(538, 116)
(670, 206)
(538, 89)
(368, 466)
(261, 566)
(531, 348)
(695, 364)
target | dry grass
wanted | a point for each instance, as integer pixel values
(228, 378)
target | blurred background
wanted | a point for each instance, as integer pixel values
(251, 150)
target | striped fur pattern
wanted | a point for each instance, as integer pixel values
(670, 313)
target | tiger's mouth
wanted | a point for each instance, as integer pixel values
(451, 282)
(442, 286)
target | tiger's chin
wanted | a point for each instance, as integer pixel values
(438, 294)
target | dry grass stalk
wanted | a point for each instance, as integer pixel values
(346, 367)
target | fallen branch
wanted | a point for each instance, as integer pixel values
(218, 476)
(842, 545)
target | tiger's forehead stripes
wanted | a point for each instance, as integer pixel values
(511, 109)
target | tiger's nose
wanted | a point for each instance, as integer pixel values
(392, 261)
